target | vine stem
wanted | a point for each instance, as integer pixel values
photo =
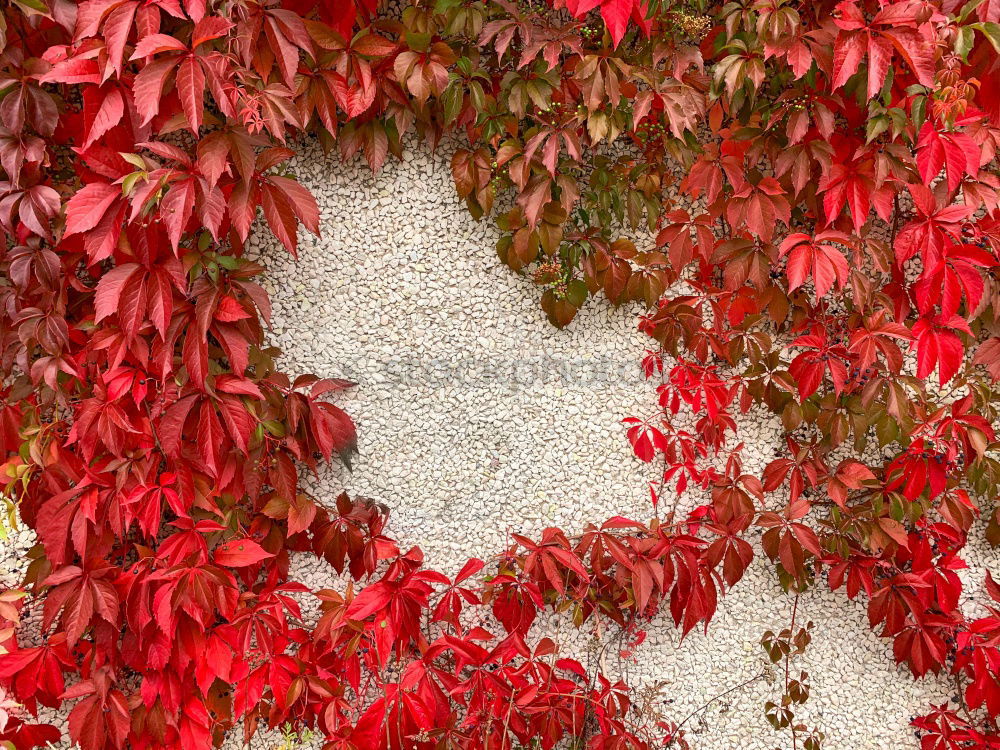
(718, 697)
(666, 463)
(788, 659)
(960, 692)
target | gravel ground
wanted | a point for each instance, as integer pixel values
(477, 418)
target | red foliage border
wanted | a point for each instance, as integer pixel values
(154, 447)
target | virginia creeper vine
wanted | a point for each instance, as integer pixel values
(820, 185)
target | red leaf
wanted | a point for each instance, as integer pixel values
(191, 89)
(303, 202)
(148, 87)
(825, 263)
(239, 423)
(955, 152)
(470, 568)
(209, 28)
(848, 53)
(646, 440)
(211, 438)
(280, 216)
(988, 355)
(240, 553)
(154, 44)
(992, 588)
(89, 205)
(107, 116)
(175, 210)
(171, 426)
(371, 599)
(616, 14)
(301, 513)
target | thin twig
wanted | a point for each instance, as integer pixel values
(788, 659)
(720, 696)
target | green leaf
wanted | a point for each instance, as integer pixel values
(273, 426)
(576, 292)
(964, 40)
(418, 42)
(875, 127)
(885, 94)
(134, 159)
(918, 111)
(33, 8)
(967, 10)
(991, 31)
(746, 134)
(229, 262)
(899, 120)
(477, 96)
(451, 100)
(129, 182)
